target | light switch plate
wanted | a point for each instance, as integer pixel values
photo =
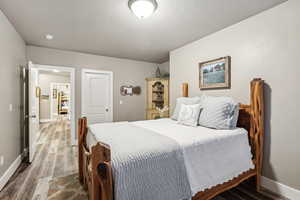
(121, 102)
(1, 160)
(10, 107)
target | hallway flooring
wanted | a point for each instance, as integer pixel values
(53, 173)
(55, 157)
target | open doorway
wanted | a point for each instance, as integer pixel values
(55, 95)
(51, 99)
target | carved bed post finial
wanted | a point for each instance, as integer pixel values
(257, 124)
(185, 89)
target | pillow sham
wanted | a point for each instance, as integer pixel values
(186, 101)
(219, 113)
(189, 114)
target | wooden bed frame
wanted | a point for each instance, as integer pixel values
(95, 170)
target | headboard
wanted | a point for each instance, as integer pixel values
(251, 117)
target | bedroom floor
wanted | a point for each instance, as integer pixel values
(53, 173)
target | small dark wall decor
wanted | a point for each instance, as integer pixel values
(130, 90)
(215, 74)
(54, 94)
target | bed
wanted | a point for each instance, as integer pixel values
(175, 160)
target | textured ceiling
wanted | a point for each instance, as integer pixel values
(107, 27)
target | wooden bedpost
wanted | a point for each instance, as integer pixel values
(102, 185)
(82, 125)
(94, 165)
(257, 125)
(185, 89)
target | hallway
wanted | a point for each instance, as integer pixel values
(55, 157)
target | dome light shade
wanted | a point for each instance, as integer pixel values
(142, 8)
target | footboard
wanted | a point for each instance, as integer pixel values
(95, 171)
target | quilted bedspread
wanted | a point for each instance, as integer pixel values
(146, 165)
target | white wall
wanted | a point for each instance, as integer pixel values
(126, 72)
(267, 46)
(12, 55)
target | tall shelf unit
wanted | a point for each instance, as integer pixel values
(157, 97)
(63, 103)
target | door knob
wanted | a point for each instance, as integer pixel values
(106, 109)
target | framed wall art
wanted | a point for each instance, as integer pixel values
(215, 74)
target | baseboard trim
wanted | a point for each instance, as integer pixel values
(280, 189)
(9, 172)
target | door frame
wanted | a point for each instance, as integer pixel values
(71, 70)
(111, 75)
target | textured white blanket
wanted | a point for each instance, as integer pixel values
(146, 165)
(211, 156)
(160, 159)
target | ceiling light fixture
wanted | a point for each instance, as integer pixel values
(56, 70)
(142, 8)
(49, 37)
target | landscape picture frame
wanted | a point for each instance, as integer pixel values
(215, 74)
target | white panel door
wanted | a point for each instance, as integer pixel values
(33, 110)
(97, 96)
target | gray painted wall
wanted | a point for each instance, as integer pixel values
(12, 55)
(267, 46)
(126, 72)
(45, 81)
(164, 67)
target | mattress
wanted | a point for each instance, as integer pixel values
(210, 156)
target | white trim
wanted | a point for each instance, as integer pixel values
(45, 120)
(73, 95)
(280, 189)
(33, 81)
(9, 172)
(111, 74)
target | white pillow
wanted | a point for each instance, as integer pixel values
(219, 113)
(189, 114)
(184, 100)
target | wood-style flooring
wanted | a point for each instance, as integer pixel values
(53, 173)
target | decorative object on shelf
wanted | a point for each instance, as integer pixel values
(142, 8)
(162, 111)
(215, 74)
(166, 75)
(130, 90)
(158, 73)
(37, 91)
(157, 98)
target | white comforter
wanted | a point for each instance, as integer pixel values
(211, 157)
(145, 165)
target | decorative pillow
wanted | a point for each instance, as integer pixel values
(219, 113)
(184, 100)
(189, 114)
